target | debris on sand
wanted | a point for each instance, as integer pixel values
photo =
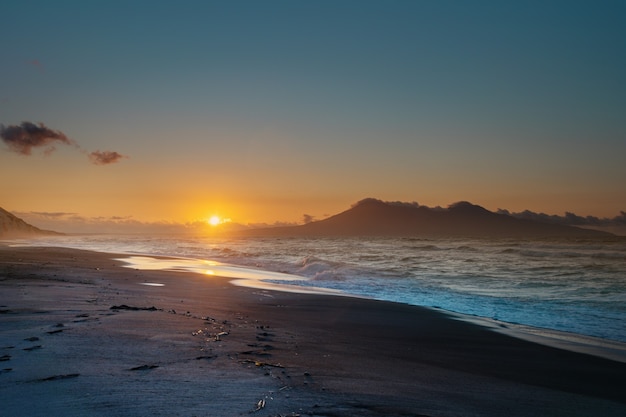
(28, 349)
(218, 337)
(132, 308)
(143, 367)
(207, 357)
(259, 363)
(260, 405)
(58, 377)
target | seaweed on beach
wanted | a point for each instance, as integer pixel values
(57, 377)
(143, 367)
(133, 308)
(31, 348)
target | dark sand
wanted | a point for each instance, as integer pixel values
(81, 336)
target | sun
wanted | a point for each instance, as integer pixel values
(214, 220)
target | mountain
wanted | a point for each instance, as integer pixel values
(371, 217)
(12, 227)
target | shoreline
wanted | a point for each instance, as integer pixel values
(256, 279)
(574, 342)
(576, 315)
(85, 335)
(517, 315)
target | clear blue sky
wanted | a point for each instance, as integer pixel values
(265, 110)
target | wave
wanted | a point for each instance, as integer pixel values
(422, 247)
(319, 269)
(466, 248)
(619, 256)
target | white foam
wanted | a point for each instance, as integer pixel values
(245, 277)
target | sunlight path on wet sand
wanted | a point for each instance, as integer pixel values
(244, 277)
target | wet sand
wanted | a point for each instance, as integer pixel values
(81, 335)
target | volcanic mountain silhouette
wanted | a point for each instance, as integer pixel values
(372, 217)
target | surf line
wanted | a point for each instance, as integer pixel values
(241, 276)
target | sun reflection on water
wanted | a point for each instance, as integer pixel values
(245, 277)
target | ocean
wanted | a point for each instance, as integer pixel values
(572, 285)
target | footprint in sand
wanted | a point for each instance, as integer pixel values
(31, 348)
(264, 337)
(57, 377)
(58, 328)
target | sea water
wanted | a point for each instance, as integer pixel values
(573, 285)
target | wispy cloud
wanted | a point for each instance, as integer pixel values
(68, 222)
(105, 157)
(36, 64)
(23, 138)
(53, 215)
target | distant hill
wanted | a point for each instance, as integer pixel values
(12, 227)
(371, 217)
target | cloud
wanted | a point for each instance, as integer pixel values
(36, 63)
(105, 157)
(23, 138)
(414, 204)
(68, 222)
(569, 219)
(54, 215)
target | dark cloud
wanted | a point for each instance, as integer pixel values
(391, 203)
(23, 138)
(569, 219)
(105, 157)
(27, 136)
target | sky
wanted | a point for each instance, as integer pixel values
(267, 111)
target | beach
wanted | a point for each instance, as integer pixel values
(82, 335)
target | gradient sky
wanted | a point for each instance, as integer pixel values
(262, 111)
